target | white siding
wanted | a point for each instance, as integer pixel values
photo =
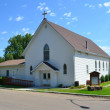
(82, 60)
(14, 71)
(61, 53)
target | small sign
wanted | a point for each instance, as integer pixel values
(94, 80)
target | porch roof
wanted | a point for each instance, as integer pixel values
(47, 64)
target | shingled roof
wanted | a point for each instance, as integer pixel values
(78, 41)
(13, 62)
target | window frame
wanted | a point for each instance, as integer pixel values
(31, 70)
(46, 52)
(64, 69)
(95, 65)
(7, 73)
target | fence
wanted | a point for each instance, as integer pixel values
(17, 82)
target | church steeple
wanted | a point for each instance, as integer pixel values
(44, 14)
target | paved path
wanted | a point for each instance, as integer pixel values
(24, 100)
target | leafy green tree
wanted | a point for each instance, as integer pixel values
(109, 76)
(9, 56)
(16, 46)
(106, 78)
(2, 59)
(102, 79)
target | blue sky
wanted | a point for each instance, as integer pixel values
(90, 18)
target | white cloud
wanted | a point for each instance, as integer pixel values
(88, 5)
(68, 23)
(47, 10)
(52, 14)
(25, 29)
(108, 11)
(24, 6)
(105, 48)
(42, 4)
(4, 32)
(19, 18)
(107, 4)
(40, 8)
(67, 14)
(10, 18)
(89, 33)
(100, 5)
(75, 19)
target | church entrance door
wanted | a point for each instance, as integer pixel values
(46, 79)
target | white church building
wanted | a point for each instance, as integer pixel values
(56, 56)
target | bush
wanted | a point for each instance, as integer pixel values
(106, 78)
(81, 86)
(60, 85)
(72, 87)
(109, 76)
(102, 79)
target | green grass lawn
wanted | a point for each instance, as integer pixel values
(104, 91)
(105, 83)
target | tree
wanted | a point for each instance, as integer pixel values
(109, 76)
(9, 56)
(2, 59)
(106, 77)
(102, 79)
(16, 46)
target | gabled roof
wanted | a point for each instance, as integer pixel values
(48, 64)
(13, 62)
(78, 42)
(51, 66)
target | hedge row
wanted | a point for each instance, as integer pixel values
(105, 78)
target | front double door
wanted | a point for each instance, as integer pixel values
(46, 79)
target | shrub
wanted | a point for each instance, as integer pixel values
(72, 87)
(81, 86)
(106, 78)
(88, 82)
(109, 76)
(60, 85)
(102, 79)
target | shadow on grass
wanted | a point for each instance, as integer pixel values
(83, 107)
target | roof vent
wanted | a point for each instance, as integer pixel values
(46, 26)
(86, 45)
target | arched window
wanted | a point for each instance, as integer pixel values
(95, 65)
(103, 66)
(30, 69)
(46, 52)
(99, 65)
(64, 69)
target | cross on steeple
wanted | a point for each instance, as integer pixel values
(44, 14)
